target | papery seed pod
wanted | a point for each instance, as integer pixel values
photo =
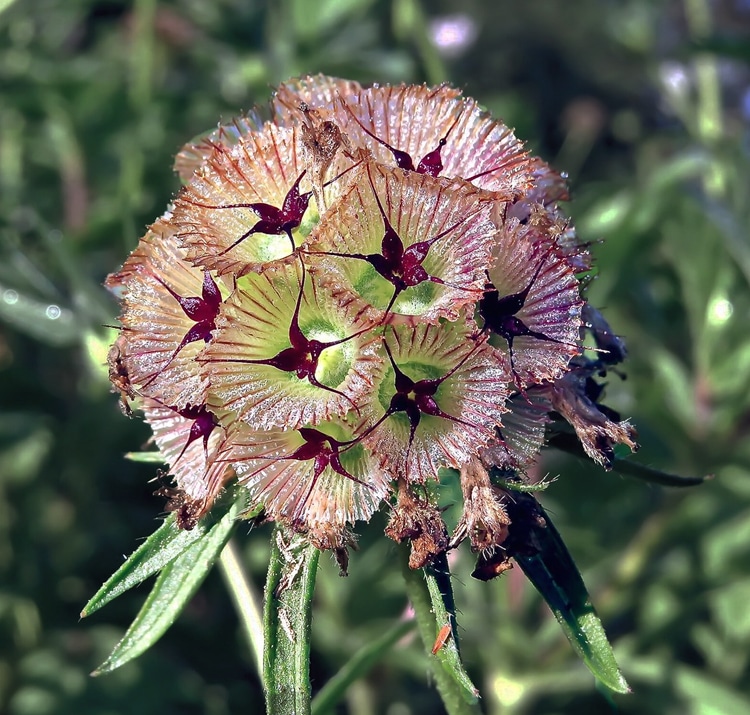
(522, 435)
(250, 205)
(168, 314)
(424, 129)
(437, 403)
(311, 478)
(188, 439)
(196, 152)
(287, 354)
(597, 433)
(317, 91)
(484, 520)
(419, 521)
(405, 247)
(532, 304)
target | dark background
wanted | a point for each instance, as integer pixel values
(645, 104)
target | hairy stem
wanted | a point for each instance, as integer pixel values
(286, 622)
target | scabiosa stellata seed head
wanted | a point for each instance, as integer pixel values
(376, 284)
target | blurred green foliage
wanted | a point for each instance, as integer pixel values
(644, 103)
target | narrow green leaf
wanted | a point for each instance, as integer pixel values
(174, 587)
(357, 667)
(287, 616)
(539, 550)
(630, 468)
(431, 596)
(158, 550)
(437, 577)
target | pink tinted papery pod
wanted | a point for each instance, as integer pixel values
(318, 480)
(406, 248)
(288, 354)
(437, 403)
(431, 130)
(189, 439)
(249, 205)
(169, 311)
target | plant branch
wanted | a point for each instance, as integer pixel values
(286, 623)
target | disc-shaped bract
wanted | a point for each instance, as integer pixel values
(438, 402)
(311, 476)
(431, 130)
(188, 439)
(169, 309)
(287, 354)
(534, 308)
(248, 205)
(195, 152)
(405, 245)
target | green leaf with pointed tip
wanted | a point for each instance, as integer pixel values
(538, 548)
(431, 596)
(439, 586)
(562, 437)
(159, 549)
(178, 581)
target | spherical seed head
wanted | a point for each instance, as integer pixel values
(306, 315)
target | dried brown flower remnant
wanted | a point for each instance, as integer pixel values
(375, 284)
(484, 520)
(597, 432)
(417, 520)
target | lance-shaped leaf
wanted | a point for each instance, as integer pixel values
(538, 548)
(178, 581)
(159, 549)
(431, 596)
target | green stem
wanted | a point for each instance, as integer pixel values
(286, 622)
(246, 599)
(432, 611)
